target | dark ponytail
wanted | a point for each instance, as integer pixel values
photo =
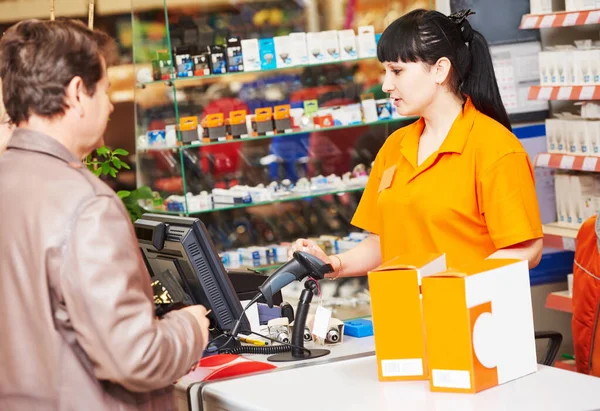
(426, 36)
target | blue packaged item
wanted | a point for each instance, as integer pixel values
(377, 37)
(358, 328)
(267, 54)
(156, 137)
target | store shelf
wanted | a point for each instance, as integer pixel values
(568, 365)
(280, 200)
(560, 236)
(236, 75)
(560, 301)
(567, 162)
(108, 7)
(294, 133)
(548, 93)
(263, 268)
(560, 19)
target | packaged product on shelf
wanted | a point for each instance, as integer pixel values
(218, 61)
(267, 54)
(594, 127)
(331, 45)
(175, 203)
(561, 182)
(171, 135)
(560, 137)
(156, 138)
(369, 107)
(347, 40)
(572, 135)
(228, 197)
(257, 194)
(235, 59)
(545, 67)
(323, 119)
(384, 109)
(546, 6)
(551, 137)
(264, 121)
(299, 50)
(184, 64)
(590, 109)
(283, 51)
(188, 127)
(311, 107)
(214, 128)
(201, 64)
(314, 45)
(578, 5)
(302, 187)
(201, 202)
(583, 197)
(367, 46)
(164, 65)
(237, 124)
(251, 55)
(231, 259)
(283, 123)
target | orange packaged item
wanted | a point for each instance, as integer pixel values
(479, 326)
(283, 122)
(397, 316)
(215, 124)
(238, 127)
(264, 121)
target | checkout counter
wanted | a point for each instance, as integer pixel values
(347, 380)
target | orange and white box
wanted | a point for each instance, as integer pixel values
(479, 326)
(397, 316)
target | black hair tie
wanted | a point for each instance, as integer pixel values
(460, 19)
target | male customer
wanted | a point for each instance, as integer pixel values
(78, 326)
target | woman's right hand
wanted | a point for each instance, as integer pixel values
(310, 247)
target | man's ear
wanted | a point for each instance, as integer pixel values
(73, 95)
(442, 70)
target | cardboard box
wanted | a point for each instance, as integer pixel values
(397, 316)
(479, 326)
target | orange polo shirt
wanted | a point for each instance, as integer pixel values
(473, 196)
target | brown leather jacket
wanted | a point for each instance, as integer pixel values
(77, 322)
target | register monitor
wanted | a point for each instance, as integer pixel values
(181, 249)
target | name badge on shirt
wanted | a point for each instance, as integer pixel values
(387, 178)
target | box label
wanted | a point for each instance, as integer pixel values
(402, 368)
(451, 379)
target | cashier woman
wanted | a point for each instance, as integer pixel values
(457, 181)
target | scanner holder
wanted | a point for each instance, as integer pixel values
(298, 353)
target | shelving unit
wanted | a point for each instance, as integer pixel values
(560, 301)
(560, 19)
(573, 93)
(560, 236)
(568, 162)
(282, 135)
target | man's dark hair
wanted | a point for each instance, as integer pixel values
(38, 59)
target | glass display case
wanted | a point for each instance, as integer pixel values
(262, 117)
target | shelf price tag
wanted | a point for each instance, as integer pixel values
(544, 93)
(542, 160)
(589, 164)
(564, 93)
(570, 19)
(587, 93)
(529, 22)
(567, 162)
(569, 243)
(593, 17)
(548, 20)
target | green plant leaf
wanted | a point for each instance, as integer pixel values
(140, 193)
(116, 162)
(103, 151)
(97, 172)
(120, 152)
(113, 172)
(123, 194)
(106, 168)
(125, 166)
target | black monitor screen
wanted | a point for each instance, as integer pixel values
(189, 257)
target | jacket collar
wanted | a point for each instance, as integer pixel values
(29, 140)
(454, 142)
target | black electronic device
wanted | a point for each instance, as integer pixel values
(182, 247)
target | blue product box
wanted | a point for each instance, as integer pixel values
(377, 37)
(156, 137)
(358, 328)
(267, 54)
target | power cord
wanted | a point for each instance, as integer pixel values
(275, 349)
